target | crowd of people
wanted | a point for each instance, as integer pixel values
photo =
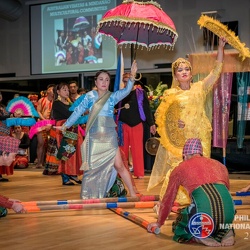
(94, 136)
(76, 47)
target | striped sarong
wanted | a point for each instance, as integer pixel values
(212, 199)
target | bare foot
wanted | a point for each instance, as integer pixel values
(228, 240)
(135, 189)
(156, 209)
(208, 242)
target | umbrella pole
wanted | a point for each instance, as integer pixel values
(133, 52)
(134, 49)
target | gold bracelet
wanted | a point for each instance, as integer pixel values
(64, 128)
(132, 79)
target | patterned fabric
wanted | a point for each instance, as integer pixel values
(192, 146)
(68, 144)
(51, 160)
(9, 144)
(4, 130)
(212, 199)
(118, 189)
(221, 109)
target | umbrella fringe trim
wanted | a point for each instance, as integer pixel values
(142, 3)
(157, 25)
(152, 46)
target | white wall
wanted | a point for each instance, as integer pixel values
(14, 42)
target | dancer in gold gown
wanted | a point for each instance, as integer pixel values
(181, 115)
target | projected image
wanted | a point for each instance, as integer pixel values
(64, 38)
(77, 42)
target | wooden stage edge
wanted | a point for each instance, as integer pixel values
(93, 228)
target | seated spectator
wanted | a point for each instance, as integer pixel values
(22, 159)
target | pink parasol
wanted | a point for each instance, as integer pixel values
(140, 23)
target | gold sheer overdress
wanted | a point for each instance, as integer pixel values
(188, 106)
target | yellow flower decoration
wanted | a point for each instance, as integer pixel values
(222, 30)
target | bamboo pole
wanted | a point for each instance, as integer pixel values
(240, 193)
(38, 208)
(134, 218)
(89, 201)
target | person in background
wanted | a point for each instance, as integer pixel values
(81, 91)
(8, 149)
(181, 115)
(100, 152)
(34, 99)
(44, 106)
(33, 142)
(85, 41)
(132, 125)
(73, 91)
(61, 41)
(207, 183)
(64, 155)
(21, 160)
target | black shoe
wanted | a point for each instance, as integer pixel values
(3, 180)
(45, 172)
(75, 179)
(66, 180)
(68, 183)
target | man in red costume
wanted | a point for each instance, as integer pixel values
(132, 125)
(207, 182)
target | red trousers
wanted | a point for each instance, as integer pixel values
(133, 137)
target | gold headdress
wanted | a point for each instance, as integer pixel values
(222, 30)
(175, 65)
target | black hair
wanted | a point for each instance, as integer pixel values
(1, 153)
(58, 87)
(102, 71)
(50, 85)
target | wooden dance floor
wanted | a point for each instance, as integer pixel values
(92, 228)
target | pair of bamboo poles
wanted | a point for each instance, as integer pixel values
(114, 204)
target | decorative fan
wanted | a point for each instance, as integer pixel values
(152, 145)
(28, 121)
(222, 30)
(40, 126)
(23, 106)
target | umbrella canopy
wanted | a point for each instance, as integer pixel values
(80, 23)
(139, 23)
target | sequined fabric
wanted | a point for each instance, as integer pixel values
(102, 147)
